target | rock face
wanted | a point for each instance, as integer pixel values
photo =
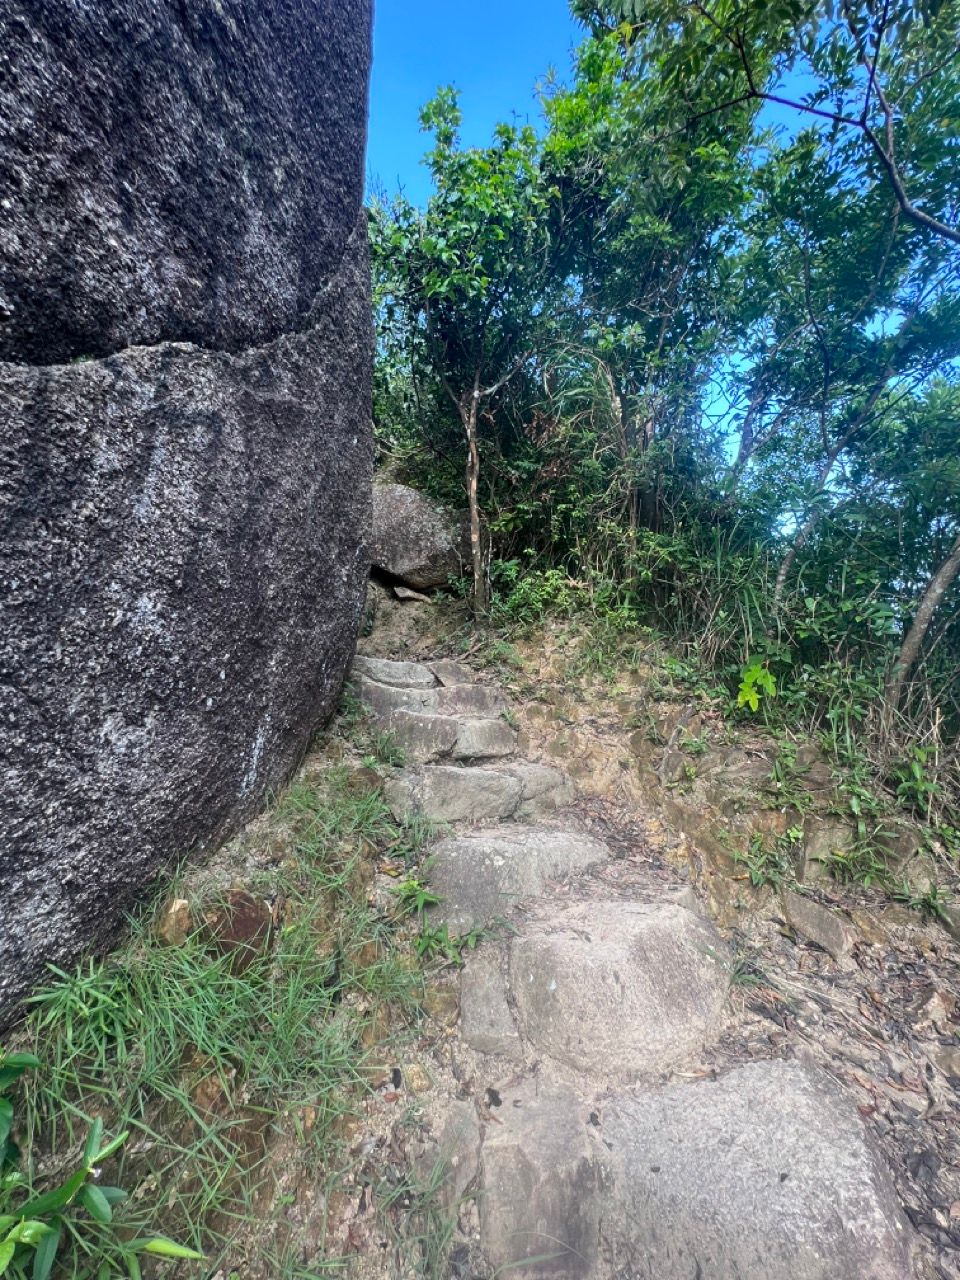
(184, 519)
(182, 172)
(766, 1172)
(414, 539)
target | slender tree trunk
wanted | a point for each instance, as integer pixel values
(648, 498)
(913, 641)
(469, 413)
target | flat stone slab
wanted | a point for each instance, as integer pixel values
(464, 701)
(408, 593)
(445, 793)
(542, 1199)
(422, 736)
(409, 675)
(383, 699)
(817, 923)
(470, 700)
(767, 1173)
(482, 875)
(449, 672)
(619, 988)
(484, 740)
(543, 788)
(486, 1022)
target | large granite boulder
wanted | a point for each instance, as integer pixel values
(187, 172)
(415, 539)
(185, 452)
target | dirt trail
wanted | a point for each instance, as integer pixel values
(628, 1080)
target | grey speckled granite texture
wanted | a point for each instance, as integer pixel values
(184, 516)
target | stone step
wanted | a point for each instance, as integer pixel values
(470, 700)
(445, 793)
(766, 1173)
(487, 1023)
(413, 675)
(484, 740)
(463, 700)
(450, 672)
(481, 875)
(619, 988)
(589, 1169)
(424, 737)
(610, 988)
(405, 675)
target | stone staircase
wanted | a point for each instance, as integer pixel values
(612, 1153)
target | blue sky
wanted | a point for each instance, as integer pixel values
(494, 53)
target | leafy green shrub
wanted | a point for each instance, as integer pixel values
(532, 595)
(756, 682)
(916, 789)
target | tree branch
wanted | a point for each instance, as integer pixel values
(885, 154)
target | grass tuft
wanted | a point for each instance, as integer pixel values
(209, 1067)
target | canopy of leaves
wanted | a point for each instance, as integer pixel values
(714, 302)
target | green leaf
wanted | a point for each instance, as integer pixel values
(766, 682)
(13, 1065)
(92, 1145)
(6, 1255)
(111, 1147)
(21, 1060)
(113, 1195)
(748, 696)
(96, 1204)
(164, 1248)
(46, 1253)
(53, 1200)
(29, 1233)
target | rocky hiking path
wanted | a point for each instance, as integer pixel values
(614, 1098)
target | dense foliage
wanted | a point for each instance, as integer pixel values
(700, 335)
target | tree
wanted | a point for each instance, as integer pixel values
(872, 64)
(644, 232)
(474, 272)
(917, 462)
(937, 588)
(708, 353)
